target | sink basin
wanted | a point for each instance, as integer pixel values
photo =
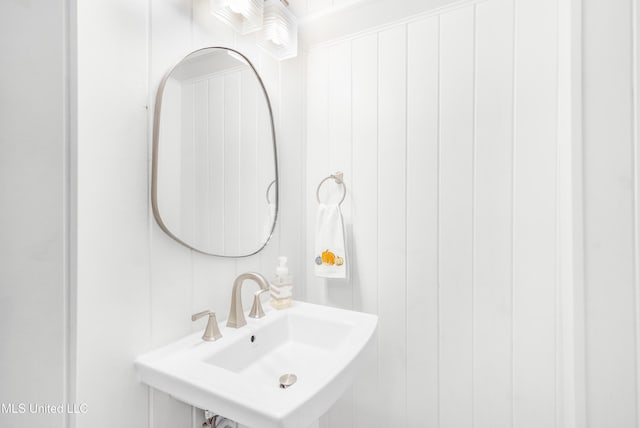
(238, 376)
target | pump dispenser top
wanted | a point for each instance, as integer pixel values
(281, 286)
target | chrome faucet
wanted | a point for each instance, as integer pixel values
(236, 315)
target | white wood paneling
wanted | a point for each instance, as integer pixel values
(269, 70)
(169, 282)
(188, 165)
(215, 134)
(489, 322)
(364, 206)
(455, 263)
(339, 150)
(162, 280)
(113, 279)
(436, 246)
(423, 114)
(252, 204)
(392, 117)
(291, 151)
(317, 162)
(200, 170)
(339, 293)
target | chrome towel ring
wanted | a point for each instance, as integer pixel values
(338, 177)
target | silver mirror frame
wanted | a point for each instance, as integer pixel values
(156, 138)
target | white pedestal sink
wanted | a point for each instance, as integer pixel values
(238, 375)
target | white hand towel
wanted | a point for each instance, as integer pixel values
(330, 257)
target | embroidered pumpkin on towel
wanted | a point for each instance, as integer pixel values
(328, 258)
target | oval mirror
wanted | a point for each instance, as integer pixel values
(215, 173)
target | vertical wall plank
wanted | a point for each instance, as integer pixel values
(610, 260)
(317, 163)
(270, 73)
(112, 209)
(455, 217)
(170, 282)
(291, 153)
(170, 181)
(317, 157)
(339, 291)
(200, 162)
(534, 241)
(252, 203)
(392, 223)
(422, 222)
(232, 131)
(187, 164)
(364, 200)
(492, 214)
(459, 203)
(215, 135)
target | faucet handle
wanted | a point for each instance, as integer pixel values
(256, 308)
(211, 332)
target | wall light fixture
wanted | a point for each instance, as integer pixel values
(279, 33)
(245, 16)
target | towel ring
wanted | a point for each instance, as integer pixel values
(268, 189)
(338, 179)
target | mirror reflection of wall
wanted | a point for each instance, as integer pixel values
(216, 155)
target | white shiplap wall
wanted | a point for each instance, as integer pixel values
(458, 131)
(445, 127)
(136, 287)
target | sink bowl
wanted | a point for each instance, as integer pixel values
(238, 376)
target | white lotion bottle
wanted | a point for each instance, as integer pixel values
(281, 285)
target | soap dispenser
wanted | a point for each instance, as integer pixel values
(281, 286)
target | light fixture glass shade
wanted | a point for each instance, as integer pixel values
(279, 33)
(245, 16)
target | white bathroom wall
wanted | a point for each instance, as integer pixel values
(136, 287)
(34, 191)
(445, 125)
(442, 147)
(610, 118)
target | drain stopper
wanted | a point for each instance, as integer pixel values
(286, 380)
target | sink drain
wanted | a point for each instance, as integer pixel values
(286, 380)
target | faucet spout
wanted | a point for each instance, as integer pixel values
(236, 317)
